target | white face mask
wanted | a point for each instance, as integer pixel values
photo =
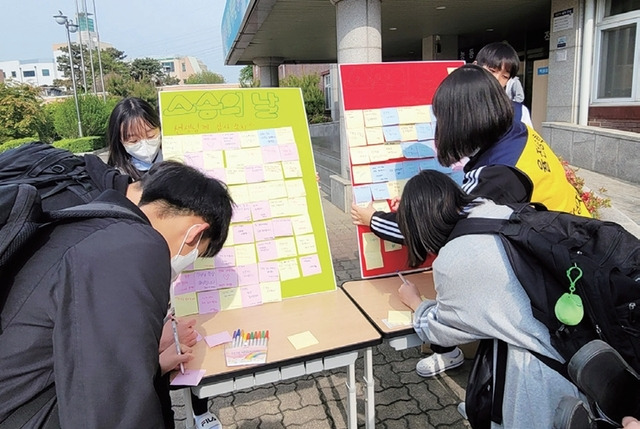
(180, 262)
(145, 150)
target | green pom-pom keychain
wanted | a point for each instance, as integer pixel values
(569, 308)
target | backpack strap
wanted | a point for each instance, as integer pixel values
(21, 416)
(94, 209)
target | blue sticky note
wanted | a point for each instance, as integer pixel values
(398, 171)
(411, 168)
(380, 173)
(425, 131)
(410, 150)
(392, 133)
(380, 191)
(361, 194)
(428, 164)
(267, 137)
(389, 116)
(424, 150)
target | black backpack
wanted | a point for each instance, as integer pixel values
(552, 253)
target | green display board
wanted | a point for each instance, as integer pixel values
(257, 142)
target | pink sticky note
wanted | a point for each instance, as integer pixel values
(209, 302)
(289, 152)
(247, 274)
(242, 234)
(217, 339)
(263, 230)
(191, 377)
(310, 265)
(251, 295)
(184, 284)
(241, 213)
(212, 142)
(268, 272)
(270, 154)
(205, 280)
(194, 159)
(226, 277)
(198, 336)
(225, 258)
(254, 173)
(230, 141)
(260, 210)
(282, 227)
(267, 250)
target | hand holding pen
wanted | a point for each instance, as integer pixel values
(409, 294)
(176, 339)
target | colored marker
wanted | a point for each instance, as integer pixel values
(174, 325)
(401, 277)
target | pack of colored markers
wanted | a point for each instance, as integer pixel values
(247, 348)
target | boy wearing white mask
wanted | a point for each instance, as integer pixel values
(85, 305)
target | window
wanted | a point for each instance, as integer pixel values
(618, 57)
(29, 73)
(168, 67)
(326, 80)
(13, 74)
(184, 67)
(45, 72)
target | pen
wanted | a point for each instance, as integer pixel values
(401, 277)
(174, 325)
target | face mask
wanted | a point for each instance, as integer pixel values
(145, 150)
(180, 262)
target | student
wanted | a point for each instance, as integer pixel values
(478, 295)
(490, 137)
(133, 137)
(90, 330)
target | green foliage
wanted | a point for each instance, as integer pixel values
(81, 145)
(94, 113)
(147, 69)
(20, 112)
(246, 78)
(112, 62)
(311, 93)
(205, 77)
(124, 86)
(46, 129)
(10, 144)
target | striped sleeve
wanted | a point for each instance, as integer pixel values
(385, 226)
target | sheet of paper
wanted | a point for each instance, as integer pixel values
(191, 377)
(361, 174)
(372, 118)
(359, 155)
(390, 246)
(353, 119)
(399, 317)
(356, 137)
(302, 340)
(288, 269)
(185, 304)
(217, 339)
(374, 135)
(271, 291)
(371, 250)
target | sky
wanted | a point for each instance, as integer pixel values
(140, 28)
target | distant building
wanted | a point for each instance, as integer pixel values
(36, 72)
(182, 67)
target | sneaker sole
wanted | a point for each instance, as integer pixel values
(446, 368)
(571, 413)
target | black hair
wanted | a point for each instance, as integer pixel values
(183, 190)
(430, 207)
(123, 117)
(499, 55)
(472, 112)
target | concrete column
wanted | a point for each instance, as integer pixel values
(268, 67)
(359, 36)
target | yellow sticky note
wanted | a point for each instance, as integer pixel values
(372, 118)
(378, 153)
(361, 174)
(394, 188)
(291, 169)
(235, 176)
(297, 206)
(306, 244)
(272, 171)
(353, 119)
(279, 207)
(451, 69)
(374, 135)
(288, 269)
(407, 115)
(390, 246)
(302, 340)
(301, 224)
(251, 156)
(213, 159)
(275, 190)
(260, 191)
(371, 251)
(381, 206)
(423, 114)
(286, 247)
(249, 139)
(185, 304)
(408, 133)
(203, 264)
(394, 150)
(230, 298)
(191, 143)
(246, 254)
(236, 159)
(285, 135)
(399, 317)
(295, 188)
(271, 292)
(239, 193)
(356, 137)
(359, 155)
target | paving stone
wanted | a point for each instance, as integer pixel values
(302, 416)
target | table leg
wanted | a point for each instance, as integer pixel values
(188, 409)
(352, 412)
(370, 406)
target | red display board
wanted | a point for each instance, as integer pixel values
(389, 130)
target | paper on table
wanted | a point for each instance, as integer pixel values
(191, 377)
(399, 317)
(302, 340)
(217, 339)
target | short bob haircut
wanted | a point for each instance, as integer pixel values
(183, 190)
(472, 112)
(498, 56)
(128, 116)
(431, 205)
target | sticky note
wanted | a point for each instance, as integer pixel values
(209, 302)
(302, 224)
(254, 173)
(209, 142)
(408, 132)
(241, 213)
(372, 118)
(297, 206)
(235, 175)
(361, 174)
(195, 160)
(268, 272)
(361, 194)
(260, 210)
(191, 143)
(266, 251)
(230, 299)
(353, 119)
(288, 269)
(226, 257)
(247, 274)
(389, 116)
(226, 277)
(217, 339)
(270, 154)
(191, 377)
(263, 230)
(273, 171)
(390, 246)
(302, 340)
(286, 247)
(381, 206)
(310, 265)
(230, 141)
(359, 155)
(205, 280)
(374, 135)
(282, 227)
(185, 304)
(392, 133)
(185, 283)
(399, 317)
(267, 137)
(380, 191)
(291, 169)
(242, 233)
(251, 295)
(271, 291)
(423, 113)
(248, 139)
(356, 137)
(306, 244)
(407, 115)
(371, 251)
(284, 135)
(275, 189)
(295, 188)
(289, 152)
(378, 153)
(213, 159)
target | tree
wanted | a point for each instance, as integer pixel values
(112, 62)
(311, 93)
(204, 77)
(125, 86)
(147, 69)
(21, 113)
(246, 78)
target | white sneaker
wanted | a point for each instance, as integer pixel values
(439, 362)
(462, 409)
(207, 421)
